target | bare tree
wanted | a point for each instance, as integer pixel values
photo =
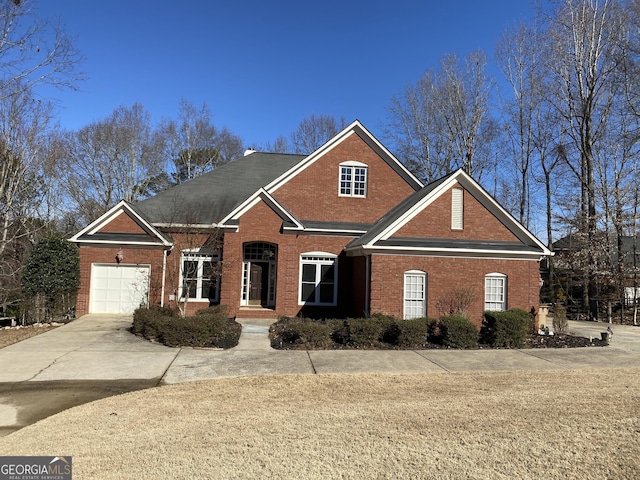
(314, 131)
(110, 160)
(518, 55)
(196, 145)
(417, 129)
(33, 51)
(584, 37)
(443, 122)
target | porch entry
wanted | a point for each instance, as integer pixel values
(259, 274)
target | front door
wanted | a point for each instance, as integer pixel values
(256, 284)
(259, 274)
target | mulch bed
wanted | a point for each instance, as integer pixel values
(562, 341)
(533, 341)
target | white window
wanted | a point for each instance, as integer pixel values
(415, 298)
(495, 291)
(353, 179)
(457, 209)
(318, 279)
(200, 275)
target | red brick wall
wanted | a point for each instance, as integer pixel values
(107, 255)
(184, 241)
(261, 224)
(313, 193)
(123, 223)
(435, 222)
(447, 274)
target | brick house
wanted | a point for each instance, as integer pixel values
(345, 231)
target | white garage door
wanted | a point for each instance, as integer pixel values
(118, 288)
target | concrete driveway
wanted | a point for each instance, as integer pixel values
(100, 347)
(96, 356)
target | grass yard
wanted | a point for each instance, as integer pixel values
(569, 425)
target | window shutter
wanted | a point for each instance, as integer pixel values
(457, 209)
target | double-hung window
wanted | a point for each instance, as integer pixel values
(200, 275)
(495, 291)
(353, 179)
(415, 294)
(318, 279)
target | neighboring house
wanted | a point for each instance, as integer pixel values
(345, 231)
(615, 279)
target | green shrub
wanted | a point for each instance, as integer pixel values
(507, 329)
(414, 333)
(302, 332)
(458, 331)
(212, 329)
(366, 332)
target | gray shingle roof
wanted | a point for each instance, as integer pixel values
(395, 213)
(207, 199)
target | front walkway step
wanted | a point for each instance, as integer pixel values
(254, 337)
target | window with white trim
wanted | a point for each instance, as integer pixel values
(415, 294)
(200, 275)
(353, 179)
(318, 279)
(457, 209)
(495, 291)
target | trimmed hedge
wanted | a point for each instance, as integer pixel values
(457, 331)
(379, 331)
(506, 329)
(208, 328)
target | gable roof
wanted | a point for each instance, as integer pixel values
(380, 237)
(209, 198)
(149, 235)
(356, 128)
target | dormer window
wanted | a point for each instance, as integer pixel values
(353, 179)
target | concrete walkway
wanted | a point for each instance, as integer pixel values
(100, 347)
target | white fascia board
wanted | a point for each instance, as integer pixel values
(114, 212)
(253, 200)
(448, 252)
(119, 242)
(412, 212)
(383, 149)
(501, 214)
(309, 160)
(99, 222)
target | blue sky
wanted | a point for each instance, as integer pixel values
(262, 66)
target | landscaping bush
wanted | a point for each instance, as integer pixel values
(364, 332)
(367, 332)
(379, 331)
(303, 332)
(458, 331)
(414, 333)
(508, 329)
(209, 328)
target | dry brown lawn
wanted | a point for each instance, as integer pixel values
(9, 336)
(569, 425)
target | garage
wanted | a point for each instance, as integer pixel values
(118, 288)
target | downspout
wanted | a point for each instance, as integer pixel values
(367, 295)
(164, 274)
